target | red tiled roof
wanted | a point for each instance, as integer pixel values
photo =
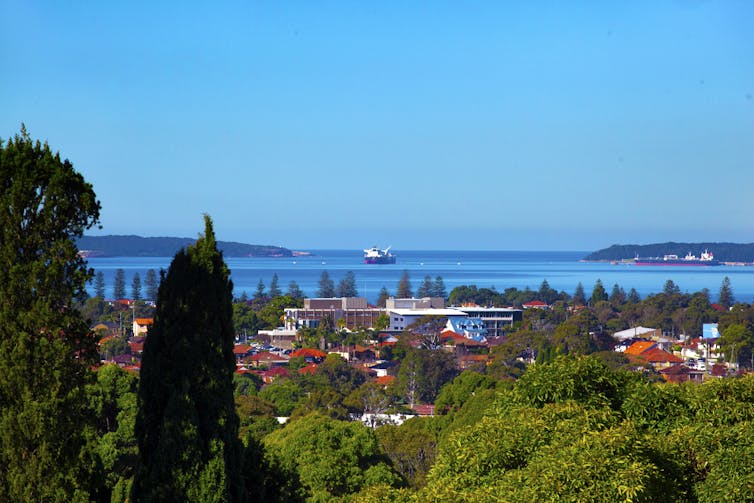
(266, 356)
(637, 348)
(136, 347)
(144, 321)
(275, 372)
(309, 353)
(536, 303)
(656, 355)
(385, 380)
(309, 369)
(241, 349)
(424, 410)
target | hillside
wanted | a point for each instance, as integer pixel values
(725, 252)
(137, 246)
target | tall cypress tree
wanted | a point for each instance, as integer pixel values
(187, 428)
(46, 347)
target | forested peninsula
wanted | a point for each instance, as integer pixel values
(137, 246)
(724, 252)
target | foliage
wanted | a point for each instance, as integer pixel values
(46, 348)
(119, 284)
(151, 284)
(412, 448)
(403, 290)
(347, 286)
(274, 287)
(326, 287)
(725, 298)
(331, 458)
(294, 290)
(187, 427)
(136, 287)
(382, 297)
(422, 373)
(99, 285)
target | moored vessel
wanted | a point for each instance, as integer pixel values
(706, 259)
(375, 255)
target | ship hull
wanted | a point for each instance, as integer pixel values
(677, 263)
(379, 260)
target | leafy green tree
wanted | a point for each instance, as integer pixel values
(737, 342)
(331, 458)
(725, 298)
(347, 286)
(425, 289)
(99, 285)
(404, 287)
(46, 347)
(598, 293)
(579, 297)
(119, 284)
(114, 346)
(294, 290)
(412, 448)
(274, 288)
(245, 320)
(326, 288)
(272, 315)
(151, 284)
(285, 394)
(187, 427)
(382, 297)
(114, 396)
(136, 287)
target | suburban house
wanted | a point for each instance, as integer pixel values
(141, 325)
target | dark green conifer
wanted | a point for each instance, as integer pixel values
(187, 428)
(46, 347)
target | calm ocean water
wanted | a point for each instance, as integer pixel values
(501, 269)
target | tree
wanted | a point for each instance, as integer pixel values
(46, 347)
(633, 296)
(598, 293)
(136, 287)
(151, 283)
(382, 297)
(347, 286)
(670, 288)
(425, 289)
(99, 285)
(260, 295)
(294, 291)
(438, 288)
(119, 284)
(579, 297)
(737, 342)
(617, 296)
(404, 287)
(187, 427)
(326, 286)
(726, 294)
(274, 288)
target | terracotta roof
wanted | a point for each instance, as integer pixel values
(144, 321)
(309, 353)
(656, 355)
(424, 410)
(275, 372)
(136, 347)
(309, 369)
(266, 356)
(535, 303)
(637, 348)
(385, 380)
(241, 349)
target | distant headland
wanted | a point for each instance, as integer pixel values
(724, 252)
(137, 246)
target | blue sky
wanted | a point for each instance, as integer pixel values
(447, 125)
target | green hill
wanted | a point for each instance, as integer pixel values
(137, 246)
(725, 252)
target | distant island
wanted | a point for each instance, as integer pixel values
(724, 252)
(137, 246)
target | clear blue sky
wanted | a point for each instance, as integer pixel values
(448, 125)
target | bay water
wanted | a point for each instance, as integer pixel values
(563, 270)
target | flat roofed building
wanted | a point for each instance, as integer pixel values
(496, 319)
(354, 311)
(400, 319)
(412, 303)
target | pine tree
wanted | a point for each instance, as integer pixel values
(598, 293)
(119, 284)
(99, 285)
(136, 287)
(347, 286)
(151, 283)
(404, 287)
(633, 296)
(46, 347)
(274, 288)
(294, 291)
(425, 289)
(579, 297)
(726, 294)
(326, 286)
(382, 297)
(438, 288)
(259, 294)
(187, 428)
